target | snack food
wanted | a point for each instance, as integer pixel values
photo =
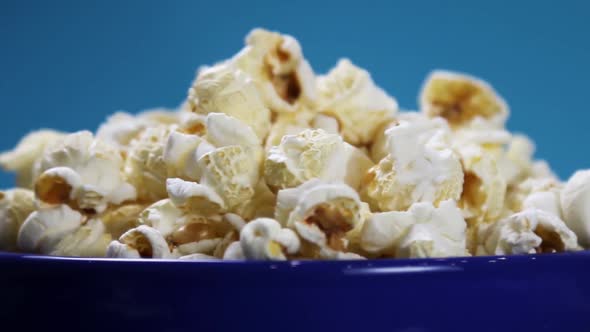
(265, 160)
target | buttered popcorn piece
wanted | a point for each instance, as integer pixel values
(422, 231)
(15, 206)
(349, 94)
(84, 172)
(276, 64)
(528, 232)
(575, 202)
(24, 157)
(90, 240)
(327, 216)
(191, 197)
(420, 167)
(265, 239)
(224, 88)
(460, 99)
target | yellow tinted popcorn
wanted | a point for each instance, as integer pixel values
(276, 64)
(84, 172)
(24, 157)
(422, 231)
(15, 206)
(420, 167)
(460, 99)
(349, 94)
(119, 219)
(226, 89)
(90, 240)
(528, 232)
(140, 242)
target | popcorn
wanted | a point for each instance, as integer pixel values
(527, 232)
(325, 215)
(420, 167)
(42, 231)
(575, 202)
(264, 239)
(83, 172)
(422, 231)
(145, 166)
(266, 161)
(140, 242)
(276, 64)
(349, 94)
(460, 99)
(15, 206)
(24, 157)
(226, 89)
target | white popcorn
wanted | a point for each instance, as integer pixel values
(180, 155)
(191, 197)
(234, 252)
(262, 205)
(226, 89)
(44, 229)
(327, 123)
(84, 172)
(90, 240)
(460, 99)
(198, 257)
(140, 242)
(575, 202)
(224, 130)
(420, 167)
(516, 163)
(528, 232)
(264, 239)
(313, 154)
(289, 124)
(163, 216)
(145, 166)
(277, 66)
(349, 94)
(198, 235)
(15, 206)
(540, 193)
(422, 231)
(327, 216)
(25, 156)
(232, 172)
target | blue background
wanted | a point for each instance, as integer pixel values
(68, 64)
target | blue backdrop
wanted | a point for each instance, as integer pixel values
(68, 64)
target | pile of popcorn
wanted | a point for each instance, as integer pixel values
(265, 160)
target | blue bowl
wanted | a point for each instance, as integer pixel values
(516, 293)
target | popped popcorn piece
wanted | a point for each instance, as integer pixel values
(276, 64)
(24, 157)
(120, 219)
(232, 172)
(90, 240)
(224, 130)
(224, 88)
(145, 166)
(540, 193)
(349, 94)
(460, 99)
(191, 197)
(44, 229)
(15, 206)
(163, 216)
(198, 257)
(527, 232)
(484, 187)
(291, 123)
(180, 155)
(420, 167)
(422, 231)
(262, 205)
(327, 123)
(575, 203)
(516, 163)
(264, 239)
(84, 172)
(234, 252)
(327, 216)
(140, 242)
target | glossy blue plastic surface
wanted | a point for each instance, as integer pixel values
(518, 293)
